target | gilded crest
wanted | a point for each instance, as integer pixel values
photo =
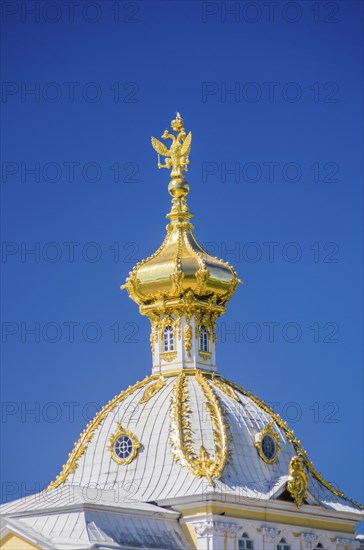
(177, 156)
(297, 484)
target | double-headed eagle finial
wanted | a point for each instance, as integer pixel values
(176, 157)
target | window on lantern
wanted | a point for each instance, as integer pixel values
(204, 339)
(282, 545)
(245, 543)
(168, 339)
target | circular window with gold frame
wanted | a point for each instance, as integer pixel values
(267, 444)
(124, 445)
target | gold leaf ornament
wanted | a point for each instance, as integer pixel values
(225, 388)
(297, 484)
(152, 390)
(203, 464)
(187, 334)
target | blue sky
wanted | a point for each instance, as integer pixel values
(273, 98)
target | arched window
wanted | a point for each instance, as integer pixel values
(319, 546)
(245, 543)
(282, 545)
(204, 339)
(168, 339)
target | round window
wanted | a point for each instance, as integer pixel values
(268, 446)
(123, 447)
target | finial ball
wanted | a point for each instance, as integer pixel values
(178, 188)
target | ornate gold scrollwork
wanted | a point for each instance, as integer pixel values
(208, 320)
(168, 356)
(176, 279)
(177, 323)
(166, 321)
(205, 355)
(201, 276)
(225, 388)
(131, 444)
(132, 285)
(152, 339)
(203, 464)
(297, 483)
(151, 390)
(187, 335)
(268, 431)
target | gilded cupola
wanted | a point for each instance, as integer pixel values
(180, 266)
(181, 280)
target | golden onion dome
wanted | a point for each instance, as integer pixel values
(180, 272)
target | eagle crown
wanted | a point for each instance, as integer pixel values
(177, 156)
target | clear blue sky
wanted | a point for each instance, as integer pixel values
(274, 94)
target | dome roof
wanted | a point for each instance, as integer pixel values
(197, 433)
(180, 269)
(181, 265)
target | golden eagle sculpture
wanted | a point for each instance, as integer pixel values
(176, 157)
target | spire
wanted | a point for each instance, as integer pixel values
(181, 288)
(177, 158)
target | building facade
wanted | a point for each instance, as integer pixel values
(184, 459)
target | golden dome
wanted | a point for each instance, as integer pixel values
(180, 274)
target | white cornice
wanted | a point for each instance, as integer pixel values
(126, 510)
(289, 509)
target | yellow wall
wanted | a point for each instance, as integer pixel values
(12, 542)
(190, 534)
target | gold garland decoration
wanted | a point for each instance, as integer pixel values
(187, 334)
(221, 429)
(204, 464)
(86, 436)
(294, 441)
(151, 390)
(228, 390)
